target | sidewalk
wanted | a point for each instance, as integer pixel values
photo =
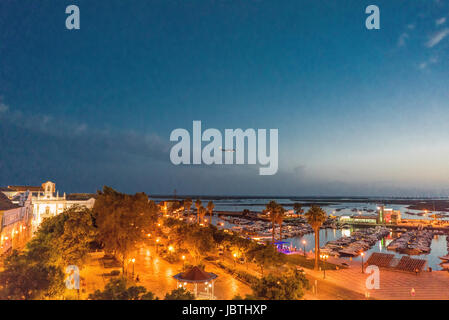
(393, 285)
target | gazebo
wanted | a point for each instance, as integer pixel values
(197, 276)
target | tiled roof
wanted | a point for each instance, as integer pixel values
(80, 196)
(385, 260)
(411, 265)
(380, 259)
(5, 203)
(25, 188)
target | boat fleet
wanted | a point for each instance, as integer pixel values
(445, 259)
(354, 245)
(263, 229)
(413, 242)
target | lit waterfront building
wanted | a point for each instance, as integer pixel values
(384, 216)
(388, 215)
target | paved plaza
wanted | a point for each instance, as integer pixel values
(394, 285)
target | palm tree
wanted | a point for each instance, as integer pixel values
(210, 208)
(298, 208)
(316, 217)
(198, 206)
(201, 213)
(272, 210)
(280, 216)
(188, 204)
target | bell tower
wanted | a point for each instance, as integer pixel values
(49, 189)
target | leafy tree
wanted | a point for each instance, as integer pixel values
(281, 287)
(79, 232)
(247, 297)
(117, 289)
(199, 241)
(179, 294)
(60, 241)
(265, 255)
(316, 217)
(123, 221)
(24, 278)
(210, 209)
(239, 244)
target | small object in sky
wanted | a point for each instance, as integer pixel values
(227, 150)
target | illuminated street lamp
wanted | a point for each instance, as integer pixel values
(183, 262)
(304, 244)
(133, 260)
(235, 258)
(157, 245)
(324, 257)
(362, 254)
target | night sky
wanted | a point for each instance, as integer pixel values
(359, 112)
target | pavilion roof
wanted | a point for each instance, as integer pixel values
(195, 274)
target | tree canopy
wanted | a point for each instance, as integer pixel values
(123, 221)
(117, 289)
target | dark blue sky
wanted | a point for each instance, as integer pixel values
(359, 112)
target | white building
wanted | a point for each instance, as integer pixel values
(15, 221)
(47, 202)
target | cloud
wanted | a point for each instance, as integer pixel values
(411, 26)
(125, 142)
(425, 64)
(440, 21)
(437, 38)
(3, 108)
(402, 39)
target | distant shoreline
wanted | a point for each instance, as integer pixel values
(431, 205)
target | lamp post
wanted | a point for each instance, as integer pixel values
(157, 245)
(183, 262)
(362, 254)
(324, 258)
(235, 257)
(133, 260)
(304, 245)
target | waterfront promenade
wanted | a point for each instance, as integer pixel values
(393, 285)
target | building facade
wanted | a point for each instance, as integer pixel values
(46, 201)
(16, 217)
